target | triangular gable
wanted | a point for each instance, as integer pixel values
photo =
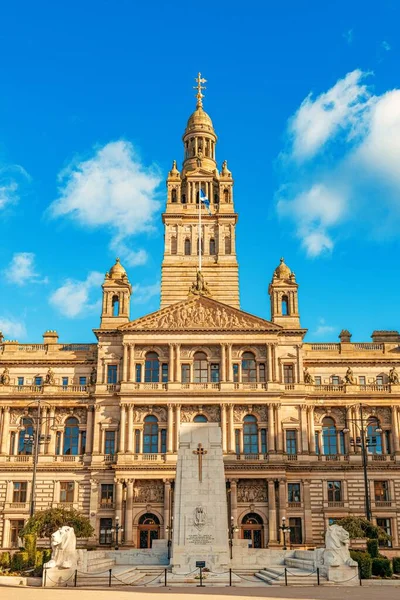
(200, 313)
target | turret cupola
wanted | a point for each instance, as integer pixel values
(116, 297)
(283, 291)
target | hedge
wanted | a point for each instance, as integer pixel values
(373, 548)
(364, 562)
(20, 561)
(381, 567)
(396, 565)
(5, 560)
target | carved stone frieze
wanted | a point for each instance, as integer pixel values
(189, 411)
(258, 410)
(252, 490)
(140, 412)
(151, 490)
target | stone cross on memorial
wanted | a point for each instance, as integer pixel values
(200, 452)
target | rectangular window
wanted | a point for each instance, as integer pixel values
(381, 489)
(106, 536)
(67, 491)
(38, 380)
(335, 380)
(262, 372)
(164, 373)
(137, 441)
(294, 492)
(291, 441)
(296, 533)
(20, 381)
(332, 520)
(237, 441)
(361, 380)
(138, 373)
(109, 442)
(235, 373)
(263, 441)
(15, 533)
(317, 380)
(111, 374)
(385, 524)
(185, 373)
(334, 491)
(288, 374)
(107, 494)
(214, 372)
(388, 442)
(163, 441)
(20, 489)
(64, 381)
(82, 380)
(379, 380)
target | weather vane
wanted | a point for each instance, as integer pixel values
(199, 79)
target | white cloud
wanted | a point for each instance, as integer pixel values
(11, 328)
(358, 183)
(348, 36)
(12, 178)
(72, 299)
(131, 258)
(386, 46)
(21, 269)
(143, 293)
(323, 329)
(111, 189)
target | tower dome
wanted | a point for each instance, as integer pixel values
(117, 271)
(282, 271)
(199, 119)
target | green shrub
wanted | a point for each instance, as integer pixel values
(373, 548)
(30, 547)
(364, 562)
(46, 555)
(396, 565)
(20, 561)
(5, 560)
(381, 567)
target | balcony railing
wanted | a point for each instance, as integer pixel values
(251, 457)
(294, 504)
(383, 503)
(68, 458)
(335, 504)
(110, 458)
(106, 505)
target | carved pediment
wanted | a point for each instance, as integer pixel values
(200, 313)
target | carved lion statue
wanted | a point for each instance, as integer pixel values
(63, 549)
(337, 542)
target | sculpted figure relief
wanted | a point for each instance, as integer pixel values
(200, 287)
(252, 491)
(5, 378)
(337, 542)
(200, 516)
(50, 376)
(63, 549)
(393, 376)
(93, 376)
(148, 491)
(349, 377)
(308, 379)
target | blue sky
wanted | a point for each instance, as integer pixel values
(94, 98)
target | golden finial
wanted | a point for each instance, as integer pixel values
(199, 79)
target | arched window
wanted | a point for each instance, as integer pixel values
(71, 437)
(200, 419)
(183, 198)
(285, 305)
(200, 367)
(173, 196)
(250, 435)
(374, 437)
(115, 306)
(25, 438)
(174, 245)
(149, 519)
(152, 368)
(188, 247)
(226, 196)
(150, 435)
(212, 246)
(252, 530)
(228, 246)
(249, 370)
(329, 436)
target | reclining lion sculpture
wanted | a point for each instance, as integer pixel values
(63, 549)
(337, 542)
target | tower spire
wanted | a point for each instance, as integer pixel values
(199, 80)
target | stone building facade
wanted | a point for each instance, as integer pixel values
(106, 415)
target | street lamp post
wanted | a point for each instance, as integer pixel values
(118, 528)
(284, 530)
(364, 443)
(232, 530)
(169, 531)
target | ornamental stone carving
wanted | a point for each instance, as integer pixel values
(393, 376)
(5, 377)
(384, 414)
(252, 490)
(189, 411)
(141, 412)
(259, 411)
(151, 490)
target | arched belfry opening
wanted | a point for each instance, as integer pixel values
(116, 297)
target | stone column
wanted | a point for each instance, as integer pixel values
(311, 429)
(299, 365)
(177, 425)
(103, 370)
(395, 429)
(125, 363)
(273, 537)
(43, 430)
(96, 430)
(230, 367)
(170, 429)
(282, 499)
(130, 429)
(278, 425)
(171, 370)
(269, 363)
(178, 363)
(234, 509)
(6, 534)
(223, 362)
(308, 534)
(303, 417)
(122, 428)
(129, 512)
(89, 430)
(5, 438)
(51, 449)
(131, 375)
(232, 444)
(167, 506)
(118, 500)
(271, 433)
(223, 428)
(275, 364)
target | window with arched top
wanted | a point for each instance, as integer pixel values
(226, 196)
(115, 306)
(228, 245)
(212, 246)
(149, 519)
(188, 247)
(200, 365)
(200, 419)
(173, 196)
(150, 435)
(25, 437)
(250, 435)
(152, 368)
(249, 368)
(183, 198)
(71, 437)
(174, 245)
(252, 519)
(285, 305)
(374, 436)
(329, 436)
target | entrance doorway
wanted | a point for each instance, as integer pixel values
(252, 529)
(148, 530)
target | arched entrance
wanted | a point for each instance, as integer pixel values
(252, 529)
(148, 530)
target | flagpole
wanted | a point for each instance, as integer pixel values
(199, 227)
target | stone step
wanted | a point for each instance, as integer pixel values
(301, 563)
(296, 577)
